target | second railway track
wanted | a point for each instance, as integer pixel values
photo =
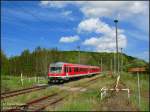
(21, 91)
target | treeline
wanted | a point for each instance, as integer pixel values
(37, 62)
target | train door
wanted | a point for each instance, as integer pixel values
(66, 71)
(70, 71)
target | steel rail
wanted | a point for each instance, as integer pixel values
(21, 91)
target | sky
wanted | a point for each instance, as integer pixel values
(68, 24)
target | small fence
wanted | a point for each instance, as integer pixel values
(36, 79)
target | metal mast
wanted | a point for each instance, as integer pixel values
(117, 60)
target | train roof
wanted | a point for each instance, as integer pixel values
(64, 63)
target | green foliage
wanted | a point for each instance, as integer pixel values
(36, 62)
(14, 82)
(4, 64)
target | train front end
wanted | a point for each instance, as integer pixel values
(55, 72)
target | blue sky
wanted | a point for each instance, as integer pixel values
(65, 25)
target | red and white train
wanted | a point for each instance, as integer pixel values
(60, 71)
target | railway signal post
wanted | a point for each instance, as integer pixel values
(117, 57)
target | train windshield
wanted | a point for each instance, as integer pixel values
(55, 69)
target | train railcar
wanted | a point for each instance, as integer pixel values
(60, 71)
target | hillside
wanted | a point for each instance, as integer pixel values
(36, 62)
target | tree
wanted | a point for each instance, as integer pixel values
(4, 64)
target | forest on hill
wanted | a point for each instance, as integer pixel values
(37, 62)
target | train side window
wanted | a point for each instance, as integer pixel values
(65, 69)
(80, 69)
(76, 69)
(69, 69)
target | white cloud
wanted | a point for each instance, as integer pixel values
(107, 41)
(132, 12)
(104, 8)
(69, 39)
(124, 9)
(146, 52)
(66, 13)
(106, 44)
(94, 25)
(58, 4)
(44, 2)
(129, 11)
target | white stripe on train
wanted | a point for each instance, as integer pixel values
(74, 75)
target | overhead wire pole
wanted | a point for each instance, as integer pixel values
(78, 54)
(139, 89)
(114, 63)
(101, 64)
(111, 65)
(121, 60)
(117, 57)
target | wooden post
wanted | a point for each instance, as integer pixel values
(21, 79)
(38, 79)
(139, 88)
(29, 79)
(35, 78)
(117, 82)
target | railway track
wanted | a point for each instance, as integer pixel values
(22, 91)
(49, 100)
(87, 83)
(38, 104)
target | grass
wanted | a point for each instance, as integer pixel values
(13, 82)
(85, 101)
(76, 102)
(131, 81)
(90, 99)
